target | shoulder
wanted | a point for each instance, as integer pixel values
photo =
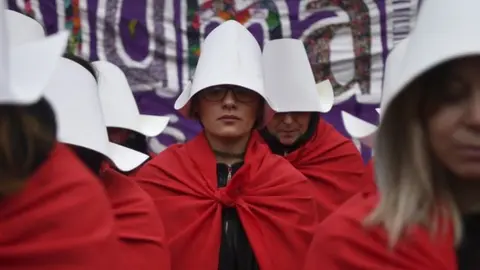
(172, 151)
(62, 176)
(163, 161)
(344, 241)
(134, 209)
(61, 203)
(341, 239)
(281, 167)
(123, 191)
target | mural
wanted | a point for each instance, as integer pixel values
(157, 43)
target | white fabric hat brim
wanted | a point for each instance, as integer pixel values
(148, 125)
(327, 96)
(444, 31)
(125, 159)
(182, 104)
(31, 67)
(359, 129)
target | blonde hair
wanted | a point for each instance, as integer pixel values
(413, 186)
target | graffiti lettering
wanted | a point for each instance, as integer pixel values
(129, 34)
(157, 42)
(261, 17)
(318, 40)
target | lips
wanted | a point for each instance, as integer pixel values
(469, 151)
(229, 117)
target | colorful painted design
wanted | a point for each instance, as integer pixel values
(73, 23)
(149, 44)
(226, 10)
(318, 44)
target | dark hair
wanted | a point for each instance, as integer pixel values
(27, 136)
(135, 140)
(90, 158)
(84, 63)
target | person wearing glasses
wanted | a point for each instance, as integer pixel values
(226, 201)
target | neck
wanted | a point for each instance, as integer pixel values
(228, 151)
(466, 194)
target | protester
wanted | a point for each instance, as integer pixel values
(330, 161)
(426, 158)
(226, 201)
(54, 213)
(126, 126)
(73, 93)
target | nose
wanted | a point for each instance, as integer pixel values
(287, 119)
(473, 111)
(229, 99)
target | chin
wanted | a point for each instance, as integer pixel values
(230, 133)
(288, 141)
(467, 172)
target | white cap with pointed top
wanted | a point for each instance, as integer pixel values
(73, 94)
(289, 80)
(444, 30)
(26, 68)
(118, 104)
(230, 55)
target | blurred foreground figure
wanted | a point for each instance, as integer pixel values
(138, 231)
(427, 157)
(54, 213)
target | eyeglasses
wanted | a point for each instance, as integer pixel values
(218, 93)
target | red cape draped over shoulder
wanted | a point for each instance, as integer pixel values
(334, 166)
(273, 201)
(140, 229)
(369, 176)
(343, 242)
(60, 220)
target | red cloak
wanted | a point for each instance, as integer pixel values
(333, 164)
(273, 201)
(343, 242)
(61, 219)
(369, 176)
(140, 229)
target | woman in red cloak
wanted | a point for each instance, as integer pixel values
(226, 201)
(141, 242)
(53, 212)
(126, 126)
(426, 212)
(330, 161)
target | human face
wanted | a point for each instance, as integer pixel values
(454, 121)
(288, 127)
(228, 111)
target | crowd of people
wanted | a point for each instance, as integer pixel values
(268, 184)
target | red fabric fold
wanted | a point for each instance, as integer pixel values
(369, 176)
(342, 242)
(142, 237)
(334, 166)
(60, 220)
(273, 201)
